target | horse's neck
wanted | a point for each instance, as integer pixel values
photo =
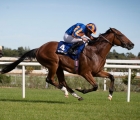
(103, 52)
(104, 47)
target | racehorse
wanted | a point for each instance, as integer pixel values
(91, 61)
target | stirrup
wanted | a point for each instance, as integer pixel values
(72, 52)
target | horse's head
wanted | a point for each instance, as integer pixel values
(121, 40)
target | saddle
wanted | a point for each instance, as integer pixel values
(63, 48)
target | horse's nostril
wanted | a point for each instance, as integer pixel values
(133, 45)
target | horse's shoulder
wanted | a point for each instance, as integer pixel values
(91, 48)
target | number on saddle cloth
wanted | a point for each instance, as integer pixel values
(63, 47)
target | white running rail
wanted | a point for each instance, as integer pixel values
(133, 64)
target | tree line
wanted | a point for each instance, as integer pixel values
(8, 52)
(122, 56)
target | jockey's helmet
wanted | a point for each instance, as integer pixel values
(92, 27)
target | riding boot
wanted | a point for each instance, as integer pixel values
(74, 46)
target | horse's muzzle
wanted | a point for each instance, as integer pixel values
(130, 46)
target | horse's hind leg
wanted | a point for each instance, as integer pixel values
(111, 77)
(62, 82)
(50, 78)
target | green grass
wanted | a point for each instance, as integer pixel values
(46, 104)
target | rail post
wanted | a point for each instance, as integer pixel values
(105, 69)
(23, 81)
(129, 85)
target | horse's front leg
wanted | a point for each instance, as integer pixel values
(111, 77)
(88, 76)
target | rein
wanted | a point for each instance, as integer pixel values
(106, 40)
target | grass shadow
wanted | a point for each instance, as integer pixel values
(32, 101)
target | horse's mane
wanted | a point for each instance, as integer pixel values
(105, 32)
(96, 39)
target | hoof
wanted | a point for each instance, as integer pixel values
(66, 96)
(82, 91)
(80, 99)
(109, 98)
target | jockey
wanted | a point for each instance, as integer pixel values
(79, 34)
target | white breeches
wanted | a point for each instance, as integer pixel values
(70, 39)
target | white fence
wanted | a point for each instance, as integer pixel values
(133, 64)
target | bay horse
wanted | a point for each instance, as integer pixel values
(91, 61)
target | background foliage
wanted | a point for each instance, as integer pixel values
(8, 52)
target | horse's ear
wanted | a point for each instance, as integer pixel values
(110, 29)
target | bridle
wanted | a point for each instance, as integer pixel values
(106, 39)
(119, 37)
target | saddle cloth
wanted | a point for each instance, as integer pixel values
(63, 48)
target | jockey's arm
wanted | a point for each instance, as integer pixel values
(78, 33)
(91, 37)
(87, 38)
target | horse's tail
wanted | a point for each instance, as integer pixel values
(30, 54)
